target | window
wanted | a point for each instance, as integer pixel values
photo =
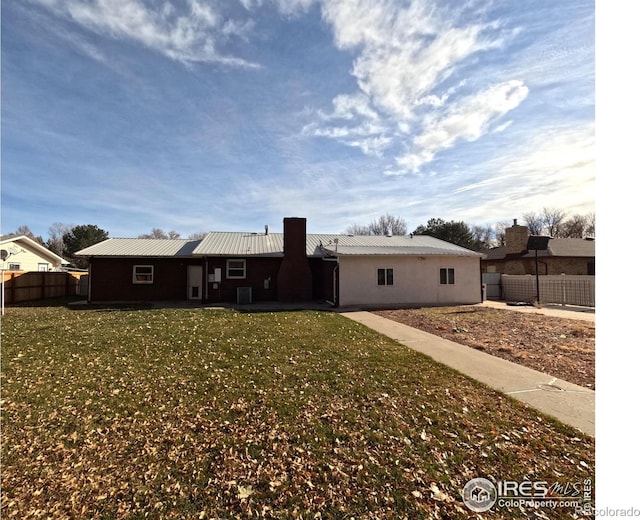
(447, 276)
(142, 274)
(14, 267)
(236, 269)
(43, 267)
(385, 276)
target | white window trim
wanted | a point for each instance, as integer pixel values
(447, 275)
(135, 274)
(244, 269)
(386, 279)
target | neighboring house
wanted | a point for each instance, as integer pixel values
(288, 266)
(575, 256)
(20, 253)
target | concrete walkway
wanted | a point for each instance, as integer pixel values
(571, 312)
(572, 404)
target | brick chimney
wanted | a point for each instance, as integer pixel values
(516, 238)
(294, 275)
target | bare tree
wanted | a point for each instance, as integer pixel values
(552, 219)
(500, 232)
(388, 225)
(574, 227)
(591, 224)
(56, 231)
(534, 223)
(383, 225)
(198, 236)
(160, 234)
(482, 236)
(358, 229)
(26, 231)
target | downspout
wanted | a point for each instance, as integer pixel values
(336, 303)
(89, 282)
(334, 276)
(205, 277)
(482, 292)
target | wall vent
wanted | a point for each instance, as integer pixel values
(244, 296)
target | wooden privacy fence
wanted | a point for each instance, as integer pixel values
(21, 286)
(564, 289)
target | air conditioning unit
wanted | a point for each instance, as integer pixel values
(244, 295)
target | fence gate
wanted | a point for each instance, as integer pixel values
(492, 282)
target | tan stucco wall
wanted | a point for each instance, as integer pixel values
(416, 280)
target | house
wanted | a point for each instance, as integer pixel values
(21, 253)
(571, 256)
(289, 266)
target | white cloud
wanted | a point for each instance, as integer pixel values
(190, 36)
(405, 53)
(369, 137)
(354, 123)
(404, 50)
(555, 167)
(347, 106)
(396, 78)
(371, 145)
(466, 120)
(503, 126)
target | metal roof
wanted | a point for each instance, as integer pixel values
(559, 247)
(572, 247)
(272, 244)
(155, 247)
(241, 244)
(416, 245)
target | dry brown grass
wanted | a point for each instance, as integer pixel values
(560, 347)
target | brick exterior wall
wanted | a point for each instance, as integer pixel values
(112, 279)
(546, 265)
(295, 281)
(261, 276)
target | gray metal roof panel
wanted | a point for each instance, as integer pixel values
(149, 247)
(272, 244)
(389, 245)
(572, 247)
(241, 244)
(397, 251)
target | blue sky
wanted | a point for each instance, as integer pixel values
(195, 116)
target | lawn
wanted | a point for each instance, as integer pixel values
(169, 413)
